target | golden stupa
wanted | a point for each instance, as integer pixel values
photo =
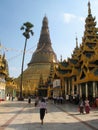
(40, 62)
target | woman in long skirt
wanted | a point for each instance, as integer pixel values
(87, 106)
(43, 109)
(29, 100)
(81, 106)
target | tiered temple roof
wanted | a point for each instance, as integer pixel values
(83, 63)
(3, 65)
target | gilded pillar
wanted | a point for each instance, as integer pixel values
(94, 88)
(77, 89)
(80, 90)
(86, 89)
(66, 87)
(72, 87)
(96, 91)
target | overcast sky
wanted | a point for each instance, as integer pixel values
(66, 20)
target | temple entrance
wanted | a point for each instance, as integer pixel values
(83, 91)
(42, 93)
(90, 91)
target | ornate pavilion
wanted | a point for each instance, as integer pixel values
(7, 85)
(38, 70)
(3, 74)
(78, 75)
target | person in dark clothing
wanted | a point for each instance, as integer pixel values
(43, 109)
(81, 106)
(29, 100)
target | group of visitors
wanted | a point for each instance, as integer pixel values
(9, 97)
(84, 106)
(58, 100)
(41, 103)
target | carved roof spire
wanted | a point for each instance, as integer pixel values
(90, 26)
(89, 9)
(76, 42)
(61, 59)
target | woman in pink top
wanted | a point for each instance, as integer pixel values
(43, 109)
(87, 106)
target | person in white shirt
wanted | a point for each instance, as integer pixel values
(43, 109)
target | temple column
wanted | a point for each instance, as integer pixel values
(77, 89)
(72, 87)
(80, 90)
(60, 93)
(86, 89)
(65, 87)
(94, 88)
(68, 87)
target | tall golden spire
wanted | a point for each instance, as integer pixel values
(44, 36)
(61, 59)
(76, 42)
(89, 9)
(44, 51)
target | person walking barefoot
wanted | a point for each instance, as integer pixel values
(81, 106)
(87, 106)
(43, 110)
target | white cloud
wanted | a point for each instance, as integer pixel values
(68, 17)
(71, 17)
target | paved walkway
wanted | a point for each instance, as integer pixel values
(18, 115)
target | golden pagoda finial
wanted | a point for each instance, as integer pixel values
(76, 42)
(45, 17)
(89, 9)
(61, 58)
(4, 55)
